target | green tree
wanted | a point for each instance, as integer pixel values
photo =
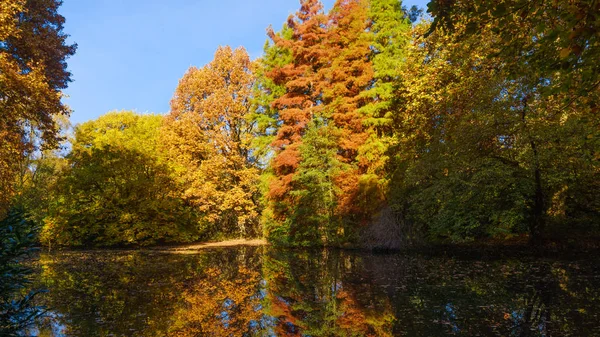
(390, 31)
(483, 152)
(117, 188)
(315, 220)
(266, 91)
(266, 117)
(557, 39)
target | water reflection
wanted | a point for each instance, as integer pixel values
(257, 291)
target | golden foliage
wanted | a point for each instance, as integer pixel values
(219, 305)
(8, 11)
(30, 82)
(208, 136)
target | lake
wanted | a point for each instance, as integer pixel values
(261, 291)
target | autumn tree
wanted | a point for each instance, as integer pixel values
(116, 188)
(266, 91)
(323, 82)
(550, 52)
(485, 150)
(452, 177)
(331, 78)
(348, 73)
(33, 53)
(390, 31)
(208, 136)
(300, 101)
(220, 305)
(558, 39)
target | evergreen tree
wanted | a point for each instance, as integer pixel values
(301, 100)
(390, 30)
(347, 74)
(265, 92)
(315, 220)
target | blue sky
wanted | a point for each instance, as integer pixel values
(132, 53)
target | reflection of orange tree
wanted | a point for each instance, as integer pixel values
(219, 305)
(362, 321)
(309, 295)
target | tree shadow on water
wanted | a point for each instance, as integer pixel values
(17, 310)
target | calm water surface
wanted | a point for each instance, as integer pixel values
(258, 291)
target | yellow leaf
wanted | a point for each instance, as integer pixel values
(565, 52)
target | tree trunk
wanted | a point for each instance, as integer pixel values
(537, 223)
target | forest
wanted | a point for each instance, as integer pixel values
(368, 125)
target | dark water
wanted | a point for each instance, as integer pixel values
(257, 291)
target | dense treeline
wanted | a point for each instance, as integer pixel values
(366, 125)
(33, 53)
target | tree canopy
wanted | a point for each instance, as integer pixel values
(33, 71)
(361, 125)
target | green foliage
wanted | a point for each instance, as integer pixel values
(487, 200)
(17, 237)
(266, 91)
(557, 39)
(390, 29)
(482, 124)
(314, 221)
(481, 150)
(117, 189)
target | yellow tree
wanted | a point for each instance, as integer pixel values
(33, 71)
(208, 136)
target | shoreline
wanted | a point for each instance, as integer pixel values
(194, 247)
(190, 248)
(515, 247)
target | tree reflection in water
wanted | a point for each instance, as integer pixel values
(258, 291)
